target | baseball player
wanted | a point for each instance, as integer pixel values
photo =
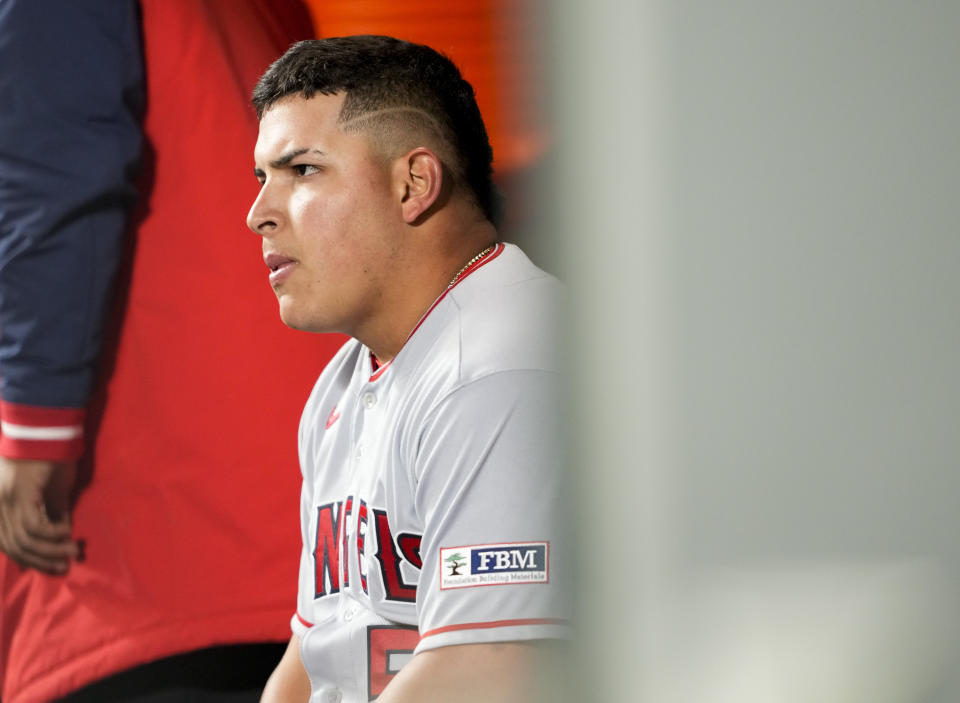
(428, 447)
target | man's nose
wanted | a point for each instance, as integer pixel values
(264, 217)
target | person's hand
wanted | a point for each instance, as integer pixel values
(35, 513)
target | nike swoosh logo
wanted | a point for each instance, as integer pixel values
(334, 416)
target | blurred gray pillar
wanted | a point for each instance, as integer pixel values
(758, 208)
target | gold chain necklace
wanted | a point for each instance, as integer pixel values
(470, 263)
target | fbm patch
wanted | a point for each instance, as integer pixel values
(494, 564)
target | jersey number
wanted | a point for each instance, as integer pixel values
(389, 647)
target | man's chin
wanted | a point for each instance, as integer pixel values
(289, 316)
(296, 319)
(295, 323)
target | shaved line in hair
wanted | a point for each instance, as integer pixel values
(395, 130)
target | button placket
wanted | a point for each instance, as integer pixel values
(367, 402)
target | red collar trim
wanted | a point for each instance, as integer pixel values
(497, 250)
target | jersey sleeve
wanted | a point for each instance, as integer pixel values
(315, 416)
(71, 91)
(302, 620)
(490, 489)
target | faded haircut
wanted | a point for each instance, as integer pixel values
(401, 94)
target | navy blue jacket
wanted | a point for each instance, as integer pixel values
(71, 86)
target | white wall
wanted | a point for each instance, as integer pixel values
(758, 205)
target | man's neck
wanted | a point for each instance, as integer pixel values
(420, 280)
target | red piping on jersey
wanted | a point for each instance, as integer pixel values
(495, 623)
(304, 622)
(473, 267)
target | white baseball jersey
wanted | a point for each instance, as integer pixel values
(431, 486)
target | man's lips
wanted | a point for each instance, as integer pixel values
(280, 267)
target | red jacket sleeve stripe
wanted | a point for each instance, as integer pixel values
(32, 432)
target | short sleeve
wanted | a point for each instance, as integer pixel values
(490, 489)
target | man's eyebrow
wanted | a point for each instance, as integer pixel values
(284, 160)
(290, 156)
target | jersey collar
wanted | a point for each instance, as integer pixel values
(378, 370)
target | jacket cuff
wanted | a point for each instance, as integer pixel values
(33, 432)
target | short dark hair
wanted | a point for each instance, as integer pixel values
(392, 87)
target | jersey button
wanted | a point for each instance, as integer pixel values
(369, 400)
(334, 696)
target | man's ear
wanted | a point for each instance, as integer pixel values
(419, 177)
